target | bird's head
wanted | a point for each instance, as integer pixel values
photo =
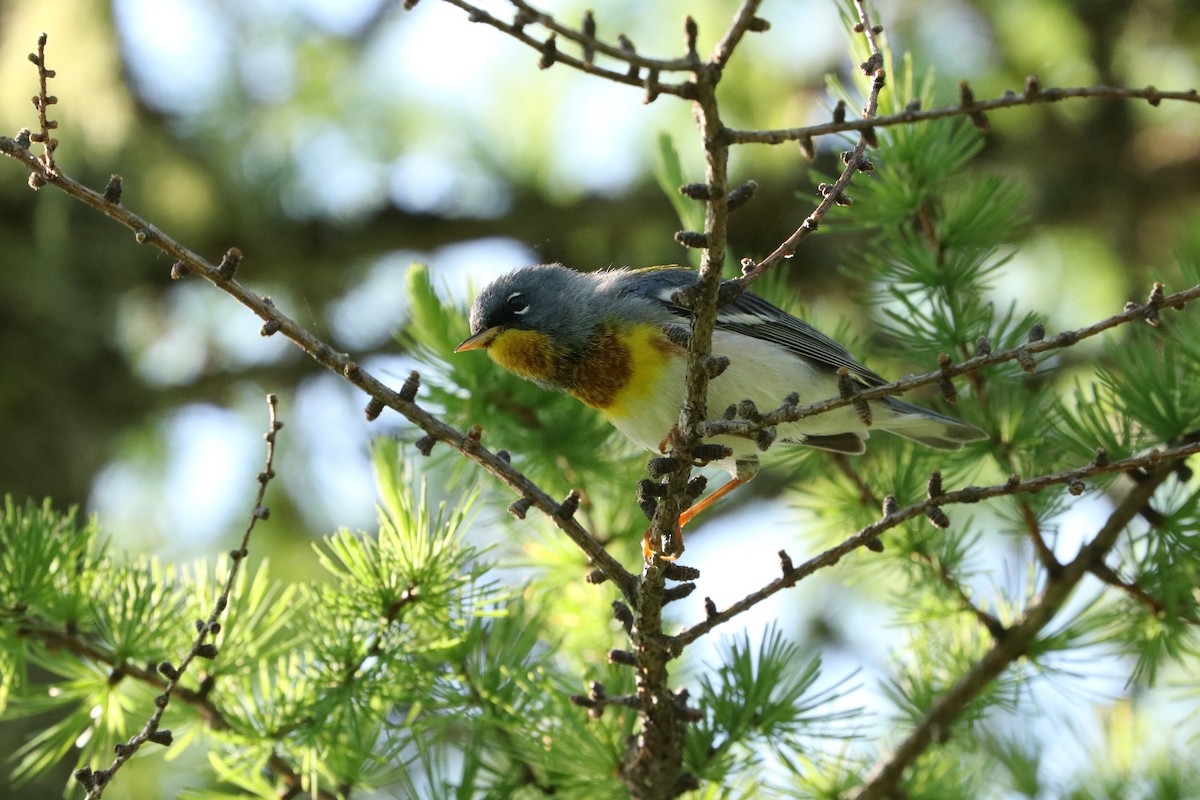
(532, 318)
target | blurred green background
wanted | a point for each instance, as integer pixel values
(334, 142)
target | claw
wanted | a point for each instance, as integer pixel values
(666, 440)
(649, 551)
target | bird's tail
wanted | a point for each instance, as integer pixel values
(926, 427)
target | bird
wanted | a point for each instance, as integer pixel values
(605, 337)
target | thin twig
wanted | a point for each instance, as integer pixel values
(833, 195)
(53, 636)
(631, 77)
(42, 102)
(1009, 100)
(1131, 588)
(743, 21)
(994, 626)
(624, 55)
(95, 782)
(970, 494)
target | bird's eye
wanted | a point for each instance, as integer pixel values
(517, 303)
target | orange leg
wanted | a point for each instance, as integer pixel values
(686, 517)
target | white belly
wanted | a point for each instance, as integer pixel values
(753, 374)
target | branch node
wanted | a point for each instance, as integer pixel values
(549, 53)
(862, 164)
(729, 291)
(1025, 359)
(945, 384)
(162, 737)
(143, 235)
(742, 194)
(269, 328)
(229, 263)
(678, 335)
(715, 365)
(647, 496)
(651, 86)
(890, 505)
(623, 657)
(374, 408)
(848, 391)
(690, 32)
(568, 506)
(873, 64)
(1033, 87)
(626, 46)
(588, 28)
(934, 484)
(112, 190)
(839, 112)
(710, 608)
(1076, 487)
(692, 239)
(937, 516)
(472, 438)
(807, 148)
(623, 615)
(408, 392)
(785, 563)
(595, 577)
(86, 778)
(519, 506)
(707, 452)
(966, 97)
(983, 347)
(678, 572)
(425, 444)
(1036, 333)
(179, 270)
(758, 25)
(659, 466)
(696, 191)
(678, 592)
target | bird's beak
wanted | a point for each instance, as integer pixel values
(479, 340)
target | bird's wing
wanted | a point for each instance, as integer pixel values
(750, 315)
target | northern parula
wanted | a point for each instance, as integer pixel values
(602, 337)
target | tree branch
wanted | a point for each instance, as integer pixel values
(1023, 353)
(971, 494)
(222, 276)
(95, 782)
(552, 55)
(1032, 96)
(854, 160)
(881, 782)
